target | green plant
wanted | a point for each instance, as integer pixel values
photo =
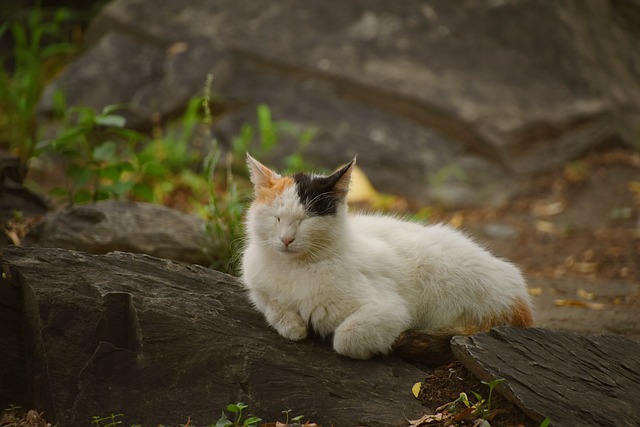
(37, 49)
(491, 384)
(296, 420)
(108, 421)
(237, 408)
(446, 173)
(97, 167)
(269, 133)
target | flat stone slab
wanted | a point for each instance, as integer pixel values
(572, 379)
(158, 341)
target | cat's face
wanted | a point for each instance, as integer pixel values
(297, 215)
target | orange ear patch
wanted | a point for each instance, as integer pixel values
(275, 186)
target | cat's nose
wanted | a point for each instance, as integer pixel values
(287, 240)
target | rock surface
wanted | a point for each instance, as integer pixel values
(15, 197)
(498, 89)
(572, 379)
(87, 335)
(125, 226)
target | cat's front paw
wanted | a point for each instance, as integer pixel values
(354, 344)
(291, 326)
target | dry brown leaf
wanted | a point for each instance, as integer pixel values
(577, 303)
(548, 209)
(545, 227)
(586, 295)
(429, 419)
(585, 267)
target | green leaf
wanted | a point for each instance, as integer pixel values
(120, 188)
(58, 192)
(223, 421)
(111, 108)
(546, 422)
(143, 192)
(82, 196)
(235, 407)
(56, 49)
(111, 172)
(80, 175)
(251, 421)
(105, 152)
(266, 127)
(111, 120)
(156, 169)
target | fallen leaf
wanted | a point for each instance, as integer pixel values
(416, 389)
(585, 267)
(545, 227)
(576, 303)
(456, 220)
(586, 295)
(361, 190)
(535, 291)
(548, 209)
(429, 419)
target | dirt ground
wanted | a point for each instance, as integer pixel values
(576, 234)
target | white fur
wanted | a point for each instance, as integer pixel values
(367, 278)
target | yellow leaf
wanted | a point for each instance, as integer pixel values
(576, 303)
(416, 389)
(361, 190)
(456, 220)
(546, 227)
(586, 295)
(535, 291)
(585, 267)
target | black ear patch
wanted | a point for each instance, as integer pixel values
(317, 194)
(321, 195)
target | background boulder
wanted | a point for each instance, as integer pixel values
(136, 227)
(500, 89)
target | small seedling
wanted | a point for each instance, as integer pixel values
(295, 420)
(491, 385)
(109, 421)
(237, 408)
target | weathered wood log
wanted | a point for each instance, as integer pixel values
(159, 341)
(572, 379)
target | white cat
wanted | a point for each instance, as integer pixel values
(377, 283)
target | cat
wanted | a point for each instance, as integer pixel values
(378, 283)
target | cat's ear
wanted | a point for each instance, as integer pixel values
(261, 176)
(341, 178)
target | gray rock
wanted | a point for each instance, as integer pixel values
(15, 198)
(125, 226)
(500, 231)
(160, 341)
(522, 86)
(572, 379)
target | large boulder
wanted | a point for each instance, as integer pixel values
(136, 227)
(497, 89)
(159, 341)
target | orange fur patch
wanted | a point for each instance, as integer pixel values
(518, 315)
(521, 314)
(275, 187)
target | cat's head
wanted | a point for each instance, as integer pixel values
(298, 214)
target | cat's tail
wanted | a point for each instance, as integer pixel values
(434, 347)
(428, 347)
